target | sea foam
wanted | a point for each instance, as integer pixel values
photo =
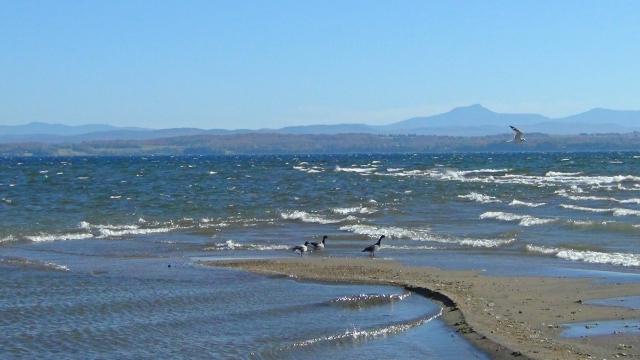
(523, 220)
(394, 232)
(595, 257)
(481, 198)
(311, 218)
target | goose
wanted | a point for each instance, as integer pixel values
(301, 249)
(371, 249)
(518, 136)
(320, 245)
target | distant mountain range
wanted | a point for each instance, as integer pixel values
(474, 120)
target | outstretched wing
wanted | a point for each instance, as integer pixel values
(516, 130)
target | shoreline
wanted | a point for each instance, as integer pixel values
(506, 317)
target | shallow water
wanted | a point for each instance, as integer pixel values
(104, 230)
(144, 309)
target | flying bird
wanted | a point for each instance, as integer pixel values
(371, 249)
(301, 249)
(320, 245)
(518, 136)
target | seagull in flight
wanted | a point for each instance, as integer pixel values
(518, 136)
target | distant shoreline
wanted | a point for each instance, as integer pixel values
(318, 144)
(508, 317)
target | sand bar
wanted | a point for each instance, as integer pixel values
(509, 317)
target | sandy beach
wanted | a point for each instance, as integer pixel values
(508, 317)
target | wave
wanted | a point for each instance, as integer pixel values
(358, 335)
(44, 237)
(567, 195)
(312, 218)
(594, 257)
(8, 239)
(356, 169)
(481, 198)
(523, 220)
(363, 300)
(88, 225)
(351, 210)
(605, 225)
(140, 231)
(421, 235)
(516, 202)
(406, 247)
(232, 245)
(34, 264)
(501, 176)
(144, 227)
(304, 167)
(389, 231)
(560, 173)
(484, 171)
(613, 211)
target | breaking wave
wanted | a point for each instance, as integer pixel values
(356, 169)
(481, 198)
(43, 237)
(567, 195)
(605, 225)
(395, 232)
(612, 211)
(34, 264)
(523, 220)
(595, 257)
(353, 210)
(312, 218)
(517, 202)
(501, 176)
(232, 245)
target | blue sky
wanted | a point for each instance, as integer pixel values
(233, 64)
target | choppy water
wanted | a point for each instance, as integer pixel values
(85, 244)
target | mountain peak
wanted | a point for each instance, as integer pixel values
(473, 108)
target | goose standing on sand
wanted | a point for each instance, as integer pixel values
(371, 249)
(301, 249)
(320, 245)
(518, 136)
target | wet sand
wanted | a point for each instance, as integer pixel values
(508, 317)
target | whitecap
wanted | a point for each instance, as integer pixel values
(481, 198)
(105, 232)
(352, 210)
(394, 232)
(7, 239)
(524, 220)
(407, 247)
(311, 218)
(594, 257)
(517, 202)
(613, 211)
(560, 173)
(232, 245)
(44, 237)
(41, 265)
(356, 169)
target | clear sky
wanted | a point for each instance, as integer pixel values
(251, 64)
